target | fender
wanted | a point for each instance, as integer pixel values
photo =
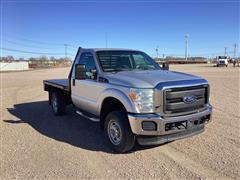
(119, 95)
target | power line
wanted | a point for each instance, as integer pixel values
(34, 41)
(39, 42)
(30, 52)
(25, 45)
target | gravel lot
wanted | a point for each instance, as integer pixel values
(36, 144)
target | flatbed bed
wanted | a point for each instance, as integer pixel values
(58, 83)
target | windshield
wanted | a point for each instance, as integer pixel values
(222, 57)
(114, 61)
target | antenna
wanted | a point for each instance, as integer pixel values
(186, 46)
(106, 39)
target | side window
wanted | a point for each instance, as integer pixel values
(88, 60)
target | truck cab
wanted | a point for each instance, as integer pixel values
(222, 61)
(132, 97)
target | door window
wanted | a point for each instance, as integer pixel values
(88, 60)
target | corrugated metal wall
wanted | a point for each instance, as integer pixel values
(13, 66)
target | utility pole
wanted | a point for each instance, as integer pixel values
(235, 50)
(66, 46)
(225, 51)
(157, 52)
(186, 46)
(213, 56)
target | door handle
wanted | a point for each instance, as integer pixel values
(73, 82)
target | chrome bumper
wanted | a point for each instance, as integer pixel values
(136, 122)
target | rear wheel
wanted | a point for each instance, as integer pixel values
(118, 131)
(58, 103)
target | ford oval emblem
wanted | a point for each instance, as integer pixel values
(190, 99)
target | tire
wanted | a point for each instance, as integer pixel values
(118, 131)
(58, 103)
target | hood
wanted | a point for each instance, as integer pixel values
(147, 79)
(222, 59)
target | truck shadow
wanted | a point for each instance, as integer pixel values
(70, 128)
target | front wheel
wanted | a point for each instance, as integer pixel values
(118, 131)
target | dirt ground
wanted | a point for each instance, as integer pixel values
(36, 144)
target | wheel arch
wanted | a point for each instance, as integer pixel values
(112, 101)
(65, 94)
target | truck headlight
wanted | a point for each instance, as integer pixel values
(143, 99)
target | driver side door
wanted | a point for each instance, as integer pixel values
(85, 92)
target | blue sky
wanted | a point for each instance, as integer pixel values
(44, 26)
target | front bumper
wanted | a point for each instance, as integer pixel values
(222, 64)
(159, 126)
(154, 140)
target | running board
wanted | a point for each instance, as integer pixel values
(87, 117)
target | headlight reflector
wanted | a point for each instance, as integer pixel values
(143, 99)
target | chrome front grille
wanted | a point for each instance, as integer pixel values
(175, 99)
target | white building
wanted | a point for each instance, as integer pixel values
(13, 66)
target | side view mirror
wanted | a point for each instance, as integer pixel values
(165, 66)
(94, 71)
(80, 71)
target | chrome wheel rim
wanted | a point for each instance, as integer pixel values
(54, 103)
(114, 132)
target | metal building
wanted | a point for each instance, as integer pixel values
(13, 66)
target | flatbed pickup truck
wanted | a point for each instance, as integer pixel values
(132, 97)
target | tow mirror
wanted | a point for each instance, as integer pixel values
(165, 66)
(80, 71)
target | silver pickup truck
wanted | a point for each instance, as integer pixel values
(132, 97)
